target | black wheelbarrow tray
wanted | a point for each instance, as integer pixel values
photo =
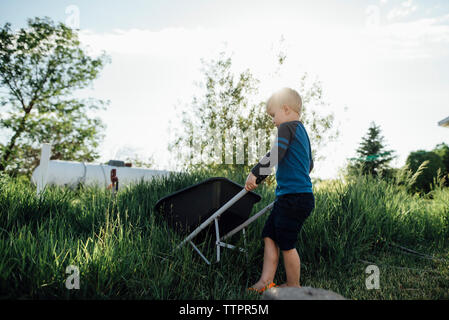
(192, 210)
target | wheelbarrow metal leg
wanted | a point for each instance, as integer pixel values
(244, 244)
(199, 252)
(217, 242)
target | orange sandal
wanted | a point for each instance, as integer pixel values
(269, 286)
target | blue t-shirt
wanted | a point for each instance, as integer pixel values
(294, 159)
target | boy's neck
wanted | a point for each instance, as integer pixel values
(289, 119)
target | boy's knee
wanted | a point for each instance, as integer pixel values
(289, 251)
(269, 241)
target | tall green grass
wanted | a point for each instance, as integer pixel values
(124, 249)
(353, 219)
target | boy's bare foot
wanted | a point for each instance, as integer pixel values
(260, 285)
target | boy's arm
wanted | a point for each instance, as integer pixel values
(283, 138)
(310, 153)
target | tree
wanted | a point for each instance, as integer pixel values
(432, 168)
(442, 150)
(372, 158)
(225, 107)
(40, 67)
(229, 108)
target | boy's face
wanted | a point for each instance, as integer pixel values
(278, 114)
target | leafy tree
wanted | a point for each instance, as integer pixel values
(372, 157)
(40, 67)
(432, 168)
(442, 150)
(229, 106)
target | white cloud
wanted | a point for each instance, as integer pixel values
(168, 42)
(418, 39)
(406, 8)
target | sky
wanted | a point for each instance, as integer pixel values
(377, 60)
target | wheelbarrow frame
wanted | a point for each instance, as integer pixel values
(214, 218)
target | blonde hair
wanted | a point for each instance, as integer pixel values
(285, 96)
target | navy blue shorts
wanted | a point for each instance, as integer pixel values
(287, 217)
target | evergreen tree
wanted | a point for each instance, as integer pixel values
(372, 158)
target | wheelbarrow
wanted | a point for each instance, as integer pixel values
(216, 205)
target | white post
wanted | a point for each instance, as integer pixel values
(44, 161)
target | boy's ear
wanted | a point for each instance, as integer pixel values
(285, 108)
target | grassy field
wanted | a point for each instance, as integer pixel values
(119, 243)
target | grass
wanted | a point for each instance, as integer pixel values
(123, 249)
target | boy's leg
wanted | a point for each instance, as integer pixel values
(295, 210)
(292, 265)
(270, 263)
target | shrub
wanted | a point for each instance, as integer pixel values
(425, 181)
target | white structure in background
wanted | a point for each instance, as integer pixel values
(40, 176)
(444, 122)
(71, 173)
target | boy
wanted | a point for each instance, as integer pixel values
(294, 197)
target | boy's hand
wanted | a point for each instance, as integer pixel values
(251, 182)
